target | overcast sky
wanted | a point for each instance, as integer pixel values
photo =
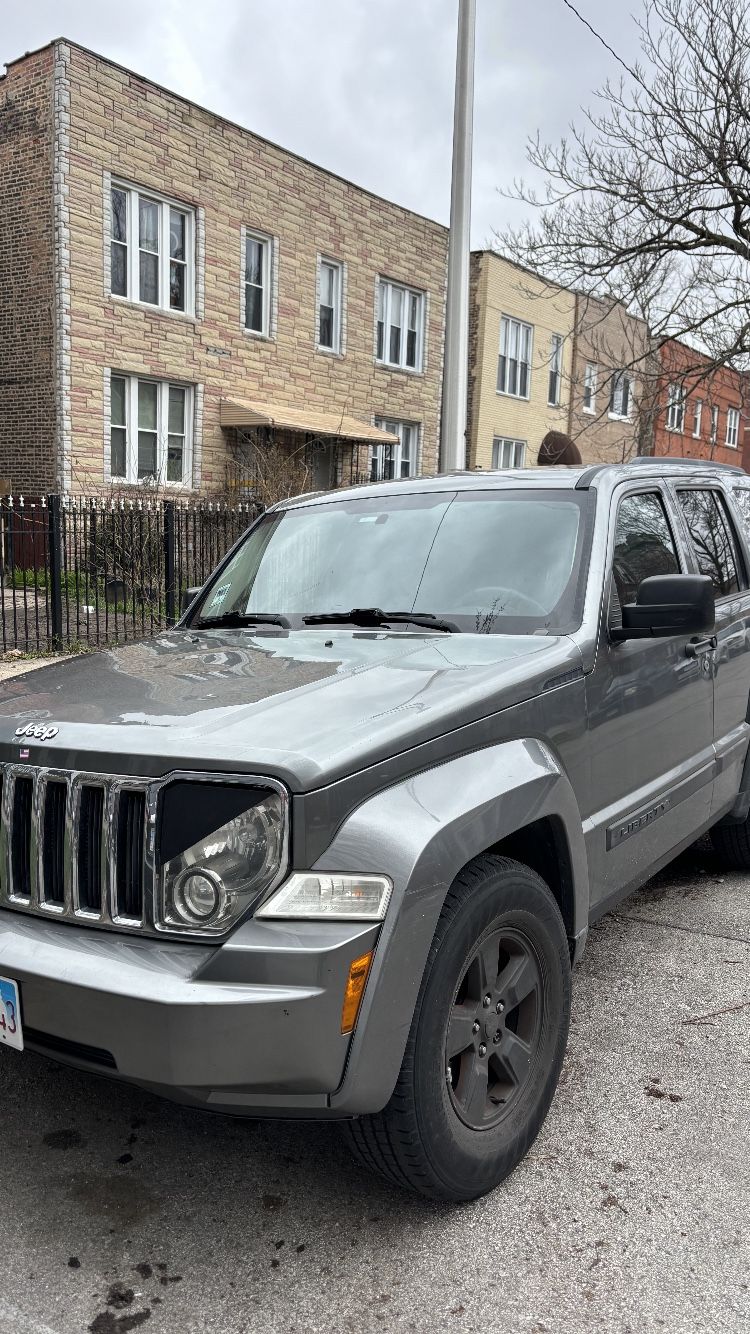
(363, 87)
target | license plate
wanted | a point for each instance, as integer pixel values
(11, 1033)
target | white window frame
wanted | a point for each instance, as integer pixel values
(383, 311)
(164, 203)
(131, 477)
(555, 369)
(676, 400)
(515, 450)
(378, 451)
(715, 424)
(619, 379)
(697, 418)
(733, 428)
(267, 279)
(510, 327)
(324, 262)
(590, 381)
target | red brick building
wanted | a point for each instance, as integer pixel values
(702, 413)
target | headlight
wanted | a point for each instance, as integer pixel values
(343, 898)
(212, 883)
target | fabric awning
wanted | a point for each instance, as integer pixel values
(233, 412)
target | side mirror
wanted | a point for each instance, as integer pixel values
(667, 605)
(188, 598)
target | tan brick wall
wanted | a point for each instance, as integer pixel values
(27, 347)
(499, 288)
(611, 339)
(121, 124)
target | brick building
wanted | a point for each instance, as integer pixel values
(180, 300)
(610, 416)
(520, 362)
(702, 412)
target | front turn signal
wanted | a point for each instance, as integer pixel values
(355, 987)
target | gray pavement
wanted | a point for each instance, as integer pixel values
(632, 1212)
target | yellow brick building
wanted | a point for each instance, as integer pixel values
(209, 296)
(520, 362)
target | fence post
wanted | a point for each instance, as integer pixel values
(55, 571)
(169, 560)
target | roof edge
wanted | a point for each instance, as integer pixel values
(225, 120)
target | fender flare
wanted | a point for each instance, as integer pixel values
(421, 833)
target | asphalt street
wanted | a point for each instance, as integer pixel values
(632, 1212)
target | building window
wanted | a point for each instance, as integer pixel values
(397, 460)
(150, 431)
(590, 377)
(258, 283)
(400, 334)
(714, 424)
(675, 408)
(733, 427)
(152, 248)
(329, 304)
(508, 453)
(697, 416)
(514, 363)
(555, 370)
(620, 398)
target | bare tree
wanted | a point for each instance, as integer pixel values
(649, 203)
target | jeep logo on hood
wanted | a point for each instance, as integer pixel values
(41, 731)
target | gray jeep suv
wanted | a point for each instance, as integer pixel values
(331, 846)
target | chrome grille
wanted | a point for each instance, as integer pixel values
(74, 845)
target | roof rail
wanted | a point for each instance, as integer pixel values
(663, 460)
(587, 477)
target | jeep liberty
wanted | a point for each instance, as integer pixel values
(331, 846)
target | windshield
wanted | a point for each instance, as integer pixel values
(486, 561)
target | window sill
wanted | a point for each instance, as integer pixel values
(336, 353)
(518, 398)
(615, 417)
(158, 490)
(590, 412)
(397, 370)
(147, 308)
(258, 337)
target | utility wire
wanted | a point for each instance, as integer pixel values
(599, 38)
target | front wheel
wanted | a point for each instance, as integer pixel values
(487, 1039)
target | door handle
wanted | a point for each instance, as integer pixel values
(696, 647)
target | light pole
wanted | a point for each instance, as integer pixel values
(456, 362)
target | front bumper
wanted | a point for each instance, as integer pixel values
(250, 1026)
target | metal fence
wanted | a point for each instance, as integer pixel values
(86, 571)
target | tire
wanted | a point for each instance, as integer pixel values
(731, 842)
(446, 1133)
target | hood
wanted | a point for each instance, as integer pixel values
(306, 706)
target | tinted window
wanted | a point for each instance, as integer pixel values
(496, 561)
(643, 544)
(712, 539)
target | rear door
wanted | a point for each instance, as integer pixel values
(717, 551)
(650, 710)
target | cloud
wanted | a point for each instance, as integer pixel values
(363, 87)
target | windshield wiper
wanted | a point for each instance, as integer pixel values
(240, 618)
(373, 617)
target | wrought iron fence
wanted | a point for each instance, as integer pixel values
(93, 571)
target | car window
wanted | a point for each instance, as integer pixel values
(495, 561)
(712, 539)
(644, 546)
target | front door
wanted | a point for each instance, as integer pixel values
(650, 712)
